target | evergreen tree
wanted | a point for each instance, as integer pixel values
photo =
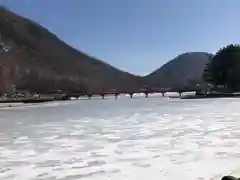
(224, 68)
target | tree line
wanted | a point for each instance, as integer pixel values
(223, 69)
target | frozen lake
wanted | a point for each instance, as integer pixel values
(124, 139)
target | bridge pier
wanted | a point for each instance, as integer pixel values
(146, 94)
(180, 94)
(65, 97)
(116, 95)
(89, 96)
(102, 95)
(131, 95)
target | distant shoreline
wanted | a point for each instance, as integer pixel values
(28, 100)
(24, 101)
(5, 105)
(212, 95)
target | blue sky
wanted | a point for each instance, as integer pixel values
(136, 35)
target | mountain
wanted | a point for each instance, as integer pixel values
(185, 69)
(34, 59)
